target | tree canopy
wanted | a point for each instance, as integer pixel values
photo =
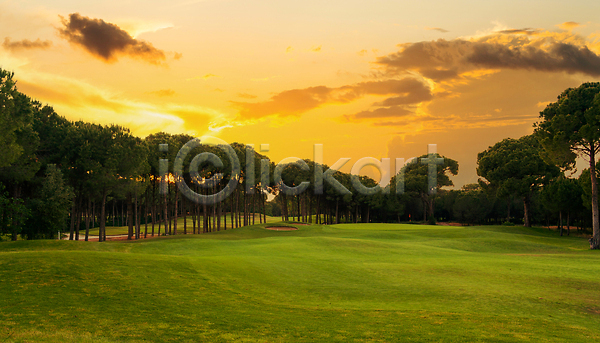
(570, 127)
(515, 167)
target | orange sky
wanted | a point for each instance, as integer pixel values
(378, 78)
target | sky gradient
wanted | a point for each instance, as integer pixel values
(363, 78)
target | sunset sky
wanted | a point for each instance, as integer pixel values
(363, 78)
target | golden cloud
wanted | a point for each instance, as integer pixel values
(569, 25)
(406, 91)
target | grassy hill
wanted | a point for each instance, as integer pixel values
(349, 282)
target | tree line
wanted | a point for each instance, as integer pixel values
(58, 175)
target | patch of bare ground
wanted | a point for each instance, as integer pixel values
(281, 228)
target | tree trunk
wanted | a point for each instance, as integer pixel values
(224, 214)
(337, 213)
(194, 214)
(253, 207)
(232, 212)
(595, 240)
(102, 229)
(318, 210)
(129, 217)
(166, 211)
(137, 218)
(184, 210)
(430, 207)
(560, 228)
(159, 220)
(310, 209)
(154, 216)
(79, 211)
(87, 220)
(245, 210)
(146, 215)
(71, 227)
(176, 208)
(204, 219)
(508, 210)
(299, 206)
(218, 205)
(526, 205)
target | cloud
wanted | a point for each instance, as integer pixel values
(289, 49)
(362, 52)
(25, 44)
(437, 29)
(526, 31)
(448, 59)
(560, 57)
(163, 92)
(246, 96)
(383, 112)
(315, 48)
(489, 80)
(400, 92)
(107, 41)
(569, 25)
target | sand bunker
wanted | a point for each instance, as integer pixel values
(281, 228)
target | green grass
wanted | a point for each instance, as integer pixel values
(347, 282)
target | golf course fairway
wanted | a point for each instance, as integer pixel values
(346, 283)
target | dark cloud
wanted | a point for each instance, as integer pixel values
(440, 74)
(407, 91)
(383, 112)
(437, 29)
(525, 31)
(443, 59)
(107, 41)
(25, 44)
(390, 123)
(560, 57)
(416, 94)
(428, 56)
